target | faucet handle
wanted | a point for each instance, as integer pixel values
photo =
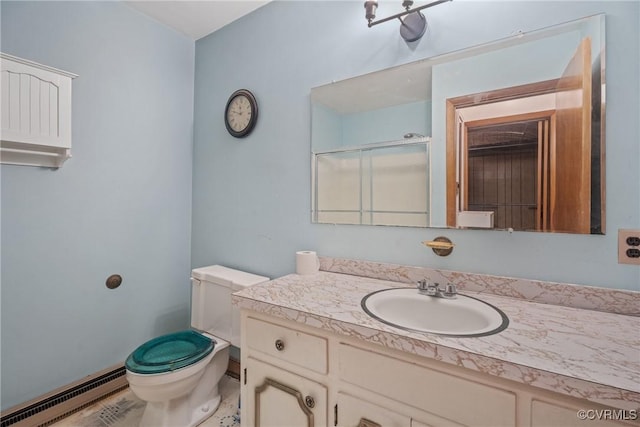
(450, 290)
(422, 284)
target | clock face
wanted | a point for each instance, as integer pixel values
(241, 113)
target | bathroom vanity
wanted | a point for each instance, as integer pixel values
(312, 357)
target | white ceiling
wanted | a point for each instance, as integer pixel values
(196, 18)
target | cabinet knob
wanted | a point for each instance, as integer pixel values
(310, 402)
(279, 345)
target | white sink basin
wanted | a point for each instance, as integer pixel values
(407, 308)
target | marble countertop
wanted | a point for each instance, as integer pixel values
(581, 353)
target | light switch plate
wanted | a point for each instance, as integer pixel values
(629, 247)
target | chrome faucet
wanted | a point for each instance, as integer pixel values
(434, 290)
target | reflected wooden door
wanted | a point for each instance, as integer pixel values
(570, 189)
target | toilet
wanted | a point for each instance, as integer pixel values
(178, 374)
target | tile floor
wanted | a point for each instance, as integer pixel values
(124, 409)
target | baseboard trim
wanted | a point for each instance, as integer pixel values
(64, 401)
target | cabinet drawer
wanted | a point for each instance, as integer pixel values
(289, 345)
(447, 396)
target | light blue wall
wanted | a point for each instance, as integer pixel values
(332, 129)
(122, 204)
(327, 128)
(387, 124)
(251, 206)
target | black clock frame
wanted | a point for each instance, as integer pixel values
(254, 113)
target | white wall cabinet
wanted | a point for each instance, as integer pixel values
(36, 113)
(295, 375)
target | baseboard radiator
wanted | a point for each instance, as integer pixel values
(52, 407)
(60, 403)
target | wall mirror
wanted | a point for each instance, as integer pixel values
(370, 143)
(506, 135)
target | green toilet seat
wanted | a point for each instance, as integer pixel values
(169, 352)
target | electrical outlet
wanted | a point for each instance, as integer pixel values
(629, 247)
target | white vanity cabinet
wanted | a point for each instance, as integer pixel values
(443, 398)
(297, 375)
(281, 368)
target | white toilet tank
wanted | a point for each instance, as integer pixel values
(211, 309)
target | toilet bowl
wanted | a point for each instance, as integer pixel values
(183, 396)
(178, 374)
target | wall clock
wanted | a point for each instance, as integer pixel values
(241, 113)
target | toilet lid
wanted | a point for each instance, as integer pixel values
(169, 352)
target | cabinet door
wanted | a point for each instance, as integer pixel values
(273, 397)
(353, 412)
(546, 414)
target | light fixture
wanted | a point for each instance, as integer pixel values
(413, 23)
